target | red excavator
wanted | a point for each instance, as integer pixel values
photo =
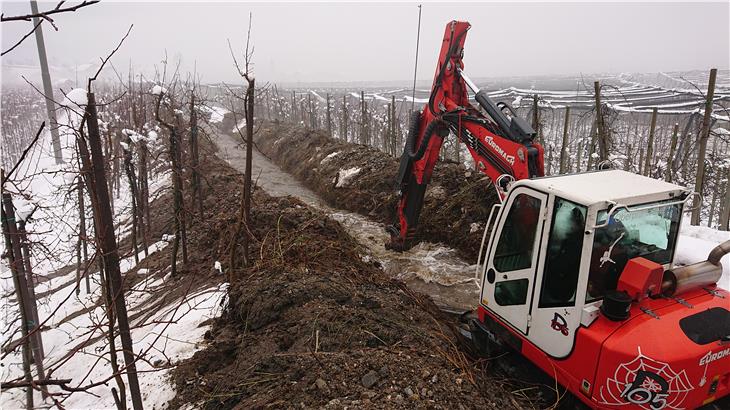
(578, 273)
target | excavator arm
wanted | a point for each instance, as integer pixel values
(501, 143)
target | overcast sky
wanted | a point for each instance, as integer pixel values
(313, 42)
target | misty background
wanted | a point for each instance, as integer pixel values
(373, 42)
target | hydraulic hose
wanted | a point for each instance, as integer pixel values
(415, 122)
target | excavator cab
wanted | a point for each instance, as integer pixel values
(560, 243)
(579, 278)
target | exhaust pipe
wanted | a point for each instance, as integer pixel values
(705, 273)
(718, 252)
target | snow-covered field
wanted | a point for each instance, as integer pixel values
(73, 337)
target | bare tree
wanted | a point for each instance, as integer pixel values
(244, 217)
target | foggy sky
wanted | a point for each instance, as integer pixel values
(325, 42)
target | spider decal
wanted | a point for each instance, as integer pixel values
(647, 383)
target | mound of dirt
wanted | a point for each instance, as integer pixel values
(315, 323)
(361, 179)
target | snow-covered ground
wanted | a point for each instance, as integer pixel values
(696, 242)
(163, 334)
(171, 333)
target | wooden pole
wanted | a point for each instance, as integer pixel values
(564, 148)
(343, 132)
(650, 145)
(602, 135)
(672, 149)
(724, 221)
(363, 136)
(704, 135)
(329, 117)
(47, 86)
(536, 117)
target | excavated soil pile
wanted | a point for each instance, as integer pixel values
(361, 179)
(315, 323)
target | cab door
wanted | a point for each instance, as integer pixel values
(512, 261)
(561, 280)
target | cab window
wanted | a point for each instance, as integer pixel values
(648, 233)
(517, 240)
(562, 264)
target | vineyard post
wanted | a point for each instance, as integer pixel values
(363, 139)
(536, 117)
(47, 86)
(672, 149)
(329, 117)
(718, 180)
(564, 148)
(343, 131)
(704, 135)
(600, 125)
(650, 145)
(725, 208)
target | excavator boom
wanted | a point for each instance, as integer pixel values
(501, 144)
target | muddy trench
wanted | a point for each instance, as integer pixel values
(434, 269)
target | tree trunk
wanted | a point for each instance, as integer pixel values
(194, 157)
(564, 148)
(603, 138)
(363, 119)
(672, 149)
(536, 118)
(144, 189)
(650, 145)
(592, 147)
(132, 181)
(395, 132)
(329, 117)
(107, 244)
(725, 209)
(343, 134)
(250, 99)
(15, 261)
(704, 135)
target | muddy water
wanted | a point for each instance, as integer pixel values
(433, 269)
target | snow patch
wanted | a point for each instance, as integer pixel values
(75, 98)
(694, 245)
(158, 89)
(345, 175)
(329, 157)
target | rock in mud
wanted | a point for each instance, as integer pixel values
(321, 384)
(370, 379)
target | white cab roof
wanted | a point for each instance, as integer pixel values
(602, 186)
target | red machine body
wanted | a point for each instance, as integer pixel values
(645, 279)
(662, 356)
(500, 147)
(645, 362)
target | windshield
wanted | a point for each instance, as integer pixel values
(649, 233)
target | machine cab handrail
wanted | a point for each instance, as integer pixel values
(614, 207)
